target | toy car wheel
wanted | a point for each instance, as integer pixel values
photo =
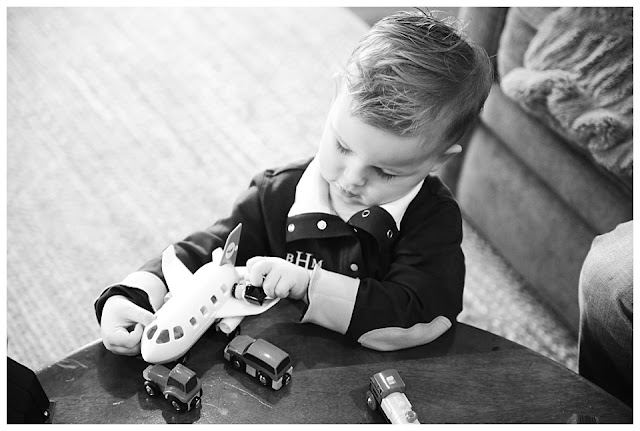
(237, 363)
(371, 401)
(177, 405)
(264, 380)
(151, 388)
(286, 379)
(197, 402)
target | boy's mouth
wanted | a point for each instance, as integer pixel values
(344, 192)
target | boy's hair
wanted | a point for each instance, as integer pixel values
(412, 69)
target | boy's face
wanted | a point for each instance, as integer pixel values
(365, 165)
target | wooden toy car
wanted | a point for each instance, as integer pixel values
(386, 392)
(180, 386)
(260, 359)
(253, 294)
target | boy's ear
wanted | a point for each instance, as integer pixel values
(447, 155)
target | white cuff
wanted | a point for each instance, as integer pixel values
(331, 298)
(395, 338)
(150, 283)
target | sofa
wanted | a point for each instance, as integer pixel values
(550, 164)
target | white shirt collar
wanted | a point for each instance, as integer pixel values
(312, 195)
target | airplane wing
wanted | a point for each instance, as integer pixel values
(235, 307)
(176, 274)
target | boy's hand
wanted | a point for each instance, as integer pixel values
(118, 315)
(278, 278)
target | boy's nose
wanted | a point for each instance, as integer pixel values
(355, 176)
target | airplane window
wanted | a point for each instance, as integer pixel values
(152, 331)
(224, 288)
(193, 321)
(178, 332)
(163, 337)
(214, 299)
(203, 310)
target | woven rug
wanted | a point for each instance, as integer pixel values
(130, 128)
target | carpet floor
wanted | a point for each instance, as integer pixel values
(129, 127)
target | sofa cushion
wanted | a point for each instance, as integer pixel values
(577, 77)
(593, 194)
(521, 25)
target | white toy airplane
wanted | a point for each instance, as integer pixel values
(196, 301)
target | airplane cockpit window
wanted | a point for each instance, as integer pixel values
(163, 337)
(177, 332)
(152, 331)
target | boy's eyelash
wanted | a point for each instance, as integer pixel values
(379, 171)
(342, 149)
(384, 175)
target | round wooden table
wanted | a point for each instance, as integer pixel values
(466, 376)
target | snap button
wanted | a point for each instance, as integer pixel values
(354, 267)
(291, 227)
(389, 233)
(366, 213)
(322, 225)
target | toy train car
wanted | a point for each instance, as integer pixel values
(386, 392)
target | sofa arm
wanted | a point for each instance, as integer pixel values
(484, 26)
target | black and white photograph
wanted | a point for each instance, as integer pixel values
(280, 213)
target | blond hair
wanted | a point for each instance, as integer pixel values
(412, 69)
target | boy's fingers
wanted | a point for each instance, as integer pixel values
(123, 338)
(252, 261)
(259, 270)
(271, 283)
(140, 315)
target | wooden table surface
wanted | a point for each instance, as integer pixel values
(466, 376)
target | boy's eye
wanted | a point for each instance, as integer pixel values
(342, 149)
(385, 176)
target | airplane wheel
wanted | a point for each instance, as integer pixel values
(233, 334)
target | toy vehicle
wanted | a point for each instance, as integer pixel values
(180, 385)
(197, 301)
(253, 294)
(260, 359)
(386, 391)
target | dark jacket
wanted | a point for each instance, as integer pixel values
(386, 288)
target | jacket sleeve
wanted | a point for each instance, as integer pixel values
(195, 251)
(415, 302)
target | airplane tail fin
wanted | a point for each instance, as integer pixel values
(231, 246)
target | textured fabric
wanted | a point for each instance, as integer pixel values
(577, 77)
(520, 26)
(606, 318)
(591, 193)
(407, 278)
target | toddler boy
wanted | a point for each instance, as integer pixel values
(362, 232)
